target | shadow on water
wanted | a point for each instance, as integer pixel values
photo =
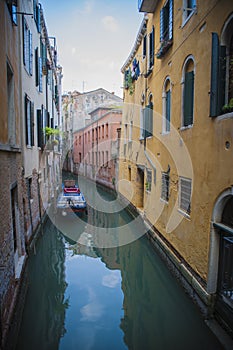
(84, 297)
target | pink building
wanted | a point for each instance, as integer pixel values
(96, 146)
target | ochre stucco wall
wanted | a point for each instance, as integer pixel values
(210, 161)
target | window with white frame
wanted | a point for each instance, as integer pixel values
(167, 106)
(29, 121)
(27, 47)
(185, 192)
(189, 8)
(188, 92)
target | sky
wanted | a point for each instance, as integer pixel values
(94, 39)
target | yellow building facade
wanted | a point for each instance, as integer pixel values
(177, 132)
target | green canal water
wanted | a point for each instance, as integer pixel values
(90, 297)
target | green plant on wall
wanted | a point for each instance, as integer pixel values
(51, 131)
(228, 107)
(148, 186)
(128, 83)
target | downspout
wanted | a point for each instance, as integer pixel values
(39, 196)
(29, 202)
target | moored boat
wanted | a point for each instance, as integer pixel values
(71, 199)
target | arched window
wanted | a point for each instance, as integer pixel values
(166, 105)
(188, 92)
(221, 92)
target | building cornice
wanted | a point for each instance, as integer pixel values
(137, 43)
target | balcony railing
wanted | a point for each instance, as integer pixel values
(147, 5)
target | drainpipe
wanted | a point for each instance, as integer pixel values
(30, 209)
(38, 187)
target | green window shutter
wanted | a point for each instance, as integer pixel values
(34, 9)
(214, 76)
(40, 74)
(26, 118)
(56, 94)
(148, 120)
(144, 123)
(218, 77)
(152, 46)
(36, 67)
(144, 46)
(188, 98)
(44, 56)
(39, 129)
(221, 78)
(32, 123)
(38, 18)
(30, 53)
(24, 41)
(168, 110)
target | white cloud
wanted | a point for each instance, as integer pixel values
(73, 50)
(91, 312)
(111, 280)
(110, 23)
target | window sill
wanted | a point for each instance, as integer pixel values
(188, 18)
(183, 213)
(164, 47)
(164, 133)
(164, 201)
(186, 127)
(148, 73)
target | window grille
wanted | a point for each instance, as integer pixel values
(185, 194)
(165, 186)
(148, 180)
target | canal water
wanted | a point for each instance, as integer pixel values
(89, 297)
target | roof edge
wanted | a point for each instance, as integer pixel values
(137, 42)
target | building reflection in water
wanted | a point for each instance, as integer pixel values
(152, 310)
(44, 312)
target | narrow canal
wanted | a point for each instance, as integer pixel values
(85, 296)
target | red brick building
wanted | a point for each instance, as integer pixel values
(95, 149)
